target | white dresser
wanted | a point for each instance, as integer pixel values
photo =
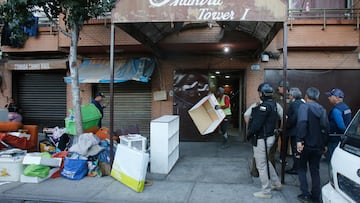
(164, 143)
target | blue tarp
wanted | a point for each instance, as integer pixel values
(98, 71)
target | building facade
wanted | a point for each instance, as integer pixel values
(322, 43)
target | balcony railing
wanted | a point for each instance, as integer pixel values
(324, 15)
(45, 22)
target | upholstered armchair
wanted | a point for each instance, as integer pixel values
(31, 144)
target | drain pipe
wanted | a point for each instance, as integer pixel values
(284, 137)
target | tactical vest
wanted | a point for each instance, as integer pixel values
(346, 115)
(270, 123)
(266, 128)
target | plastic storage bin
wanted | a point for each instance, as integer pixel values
(11, 168)
(90, 118)
(134, 141)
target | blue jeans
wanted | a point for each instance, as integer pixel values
(311, 157)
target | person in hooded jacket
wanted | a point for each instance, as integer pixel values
(295, 96)
(311, 143)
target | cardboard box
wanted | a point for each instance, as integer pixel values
(130, 167)
(30, 179)
(35, 158)
(204, 115)
(11, 168)
(47, 148)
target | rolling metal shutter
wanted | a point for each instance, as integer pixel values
(41, 97)
(132, 105)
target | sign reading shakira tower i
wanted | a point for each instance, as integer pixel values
(198, 10)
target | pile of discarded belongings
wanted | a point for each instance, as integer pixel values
(89, 156)
(85, 155)
(67, 155)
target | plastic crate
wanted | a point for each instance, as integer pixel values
(134, 141)
(90, 118)
(11, 168)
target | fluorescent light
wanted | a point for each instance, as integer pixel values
(227, 76)
(217, 72)
(226, 49)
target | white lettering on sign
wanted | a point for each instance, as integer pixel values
(206, 14)
(244, 16)
(37, 66)
(208, 10)
(159, 3)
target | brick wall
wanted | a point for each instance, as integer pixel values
(98, 35)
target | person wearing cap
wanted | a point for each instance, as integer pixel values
(339, 118)
(97, 102)
(224, 104)
(282, 91)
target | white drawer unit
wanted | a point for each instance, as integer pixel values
(164, 143)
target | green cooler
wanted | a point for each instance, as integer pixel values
(90, 118)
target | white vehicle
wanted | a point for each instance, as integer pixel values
(344, 169)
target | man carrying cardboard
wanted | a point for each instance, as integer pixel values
(224, 104)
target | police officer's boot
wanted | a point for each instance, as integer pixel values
(254, 172)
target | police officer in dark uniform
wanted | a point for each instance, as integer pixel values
(339, 118)
(261, 128)
(282, 91)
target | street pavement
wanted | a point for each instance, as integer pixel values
(204, 173)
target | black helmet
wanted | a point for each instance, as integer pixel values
(266, 90)
(284, 84)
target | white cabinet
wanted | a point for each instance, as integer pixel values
(164, 143)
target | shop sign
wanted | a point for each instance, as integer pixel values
(28, 66)
(199, 10)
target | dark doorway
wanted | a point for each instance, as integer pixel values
(192, 85)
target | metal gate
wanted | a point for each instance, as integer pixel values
(41, 97)
(132, 105)
(324, 80)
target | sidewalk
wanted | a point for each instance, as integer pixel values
(203, 173)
